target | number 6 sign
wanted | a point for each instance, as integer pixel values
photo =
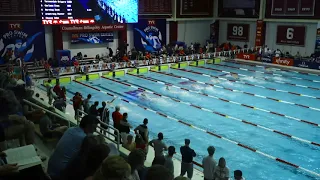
(291, 35)
(238, 32)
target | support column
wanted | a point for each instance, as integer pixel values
(56, 39)
(173, 31)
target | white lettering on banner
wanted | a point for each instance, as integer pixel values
(14, 26)
(281, 61)
(246, 56)
(290, 32)
(237, 30)
(266, 59)
(64, 59)
(303, 64)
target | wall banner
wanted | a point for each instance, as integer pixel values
(92, 38)
(24, 40)
(150, 35)
(317, 47)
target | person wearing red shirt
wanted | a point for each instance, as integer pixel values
(125, 58)
(116, 117)
(57, 89)
(77, 101)
(63, 93)
(148, 56)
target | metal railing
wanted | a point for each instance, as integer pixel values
(47, 111)
(115, 133)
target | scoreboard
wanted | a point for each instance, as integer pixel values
(194, 8)
(293, 7)
(154, 7)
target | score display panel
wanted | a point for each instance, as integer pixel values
(17, 9)
(239, 8)
(155, 9)
(293, 9)
(88, 11)
(194, 8)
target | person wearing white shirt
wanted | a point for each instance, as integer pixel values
(209, 164)
(277, 52)
(221, 172)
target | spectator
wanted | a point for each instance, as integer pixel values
(187, 159)
(48, 129)
(77, 101)
(50, 92)
(158, 172)
(168, 159)
(238, 175)
(60, 104)
(160, 160)
(63, 93)
(136, 160)
(86, 104)
(110, 52)
(130, 145)
(221, 172)
(57, 89)
(93, 109)
(104, 116)
(69, 145)
(209, 164)
(159, 146)
(113, 168)
(140, 144)
(142, 129)
(124, 128)
(116, 117)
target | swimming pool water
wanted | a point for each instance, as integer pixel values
(253, 165)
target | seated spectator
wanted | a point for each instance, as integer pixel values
(148, 56)
(69, 145)
(238, 175)
(60, 104)
(168, 159)
(297, 55)
(130, 145)
(48, 129)
(136, 160)
(221, 172)
(209, 164)
(140, 144)
(159, 146)
(124, 128)
(113, 168)
(158, 172)
(93, 109)
(125, 58)
(88, 159)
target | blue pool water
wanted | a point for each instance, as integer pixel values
(253, 165)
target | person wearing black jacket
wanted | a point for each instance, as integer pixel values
(187, 159)
(124, 128)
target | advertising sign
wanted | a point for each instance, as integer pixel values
(251, 57)
(283, 61)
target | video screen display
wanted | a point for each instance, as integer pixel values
(88, 11)
(91, 38)
(239, 8)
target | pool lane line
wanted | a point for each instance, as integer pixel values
(247, 93)
(280, 69)
(264, 87)
(214, 112)
(270, 73)
(261, 78)
(225, 100)
(210, 133)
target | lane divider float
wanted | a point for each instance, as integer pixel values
(281, 69)
(224, 100)
(270, 73)
(215, 112)
(261, 78)
(212, 134)
(259, 86)
(247, 93)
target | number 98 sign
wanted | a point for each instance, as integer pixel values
(238, 32)
(291, 35)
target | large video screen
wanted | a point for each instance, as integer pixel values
(239, 8)
(89, 11)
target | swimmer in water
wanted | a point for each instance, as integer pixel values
(167, 88)
(216, 81)
(235, 76)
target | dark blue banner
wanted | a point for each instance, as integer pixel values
(311, 63)
(24, 40)
(92, 38)
(150, 35)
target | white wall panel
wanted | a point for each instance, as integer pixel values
(223, 33)
(194, 31)
(271, 35)
(48, 40)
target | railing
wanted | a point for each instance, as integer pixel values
(116, 135)
(47, 111)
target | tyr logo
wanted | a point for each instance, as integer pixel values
(14, 26)
(246, 56)
(151, 22)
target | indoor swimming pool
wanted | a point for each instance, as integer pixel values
(255, 117)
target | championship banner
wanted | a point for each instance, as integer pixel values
(150, 35)
(92, 38)
(24, 40)
(64, 58)
(317, 47)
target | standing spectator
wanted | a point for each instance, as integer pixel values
(116, 117)
(142, 129)
(209, 164)
(49, 91)
(130, 145)
(77, 101)
(124, 128)
(57, 89)
(63, 93)
(238, 175)
(221, 172)
(136, 160)
(158, 172)
(86, 104)
(93, 109)
(110, 52)
(139, 143)
(187, 159)
(168, 159)
(159, 146)
(70, 144)
(104, 116)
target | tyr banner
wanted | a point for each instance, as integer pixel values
(150, 35)
(24, 40)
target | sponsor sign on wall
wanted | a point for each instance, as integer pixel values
(313, 63)
(92, 28)
(283, 61)
(251, 57)
(24, 40)
(92, 38)
(238, 32)
(291, 35)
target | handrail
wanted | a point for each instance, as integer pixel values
(47, 111)
(105, 130)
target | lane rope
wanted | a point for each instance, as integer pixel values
(211, 133)
(251, 94)
(224, 100)
(269, 73)
(259, 86)
(215, 112)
